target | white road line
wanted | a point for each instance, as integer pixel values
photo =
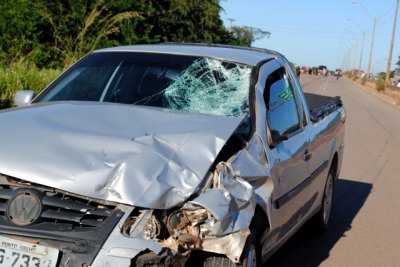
(326, 82)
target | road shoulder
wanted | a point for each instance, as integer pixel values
(388, 96)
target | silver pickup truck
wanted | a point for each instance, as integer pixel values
(159, 155)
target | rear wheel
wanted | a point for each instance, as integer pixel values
(323, 217)
(250, 256)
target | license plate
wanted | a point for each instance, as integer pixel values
(15, 253)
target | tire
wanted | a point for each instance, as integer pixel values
(250, 256)
(323, 217)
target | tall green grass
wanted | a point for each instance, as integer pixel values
(23, 76)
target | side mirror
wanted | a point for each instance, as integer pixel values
(23, 98)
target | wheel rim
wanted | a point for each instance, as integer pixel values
(328, 196)
(252, 257)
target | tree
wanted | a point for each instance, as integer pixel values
(78, 26)
(183, 21)
(246, 35)
(18, 29)
(56, 33)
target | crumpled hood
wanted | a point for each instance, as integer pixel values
(142, 156)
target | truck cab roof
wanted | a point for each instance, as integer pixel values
(245, 55)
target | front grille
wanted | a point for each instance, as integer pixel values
(60, 207)
(76, 225)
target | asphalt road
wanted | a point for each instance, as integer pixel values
(365, 228)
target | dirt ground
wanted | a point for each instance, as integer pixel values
(391, 94)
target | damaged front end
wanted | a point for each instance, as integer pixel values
(216, 221)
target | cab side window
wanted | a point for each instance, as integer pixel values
(297, 89)
(281, 105)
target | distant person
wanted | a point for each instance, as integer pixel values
(310, 71)
(298, 72)
(324, 72)
(338, 74)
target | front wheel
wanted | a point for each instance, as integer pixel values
(250, 256)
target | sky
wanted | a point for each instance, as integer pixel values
(321, 32)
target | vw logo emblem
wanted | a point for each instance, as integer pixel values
(24, 207)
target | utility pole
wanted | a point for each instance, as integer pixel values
(374, 21)
(355, 59)
(372, 48)
(362, 51)
(389, 62)
(348, 60)
(362, 43)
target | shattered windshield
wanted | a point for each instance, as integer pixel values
(186, 83)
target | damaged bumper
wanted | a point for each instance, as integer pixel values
(130, 251)
(216, 221)
(83, 232)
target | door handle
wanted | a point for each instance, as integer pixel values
(307, 155)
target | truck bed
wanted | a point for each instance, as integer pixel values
(320, 105)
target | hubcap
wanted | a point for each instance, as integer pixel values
(328, 195)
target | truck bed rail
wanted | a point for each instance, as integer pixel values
(321, 106)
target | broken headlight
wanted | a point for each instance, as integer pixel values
(182, 229)
(185, 227)
(143, 226)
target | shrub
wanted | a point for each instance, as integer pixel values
(380, 85)
(363, 80)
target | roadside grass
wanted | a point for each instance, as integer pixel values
(380, 85)
(23, 76)
(389, 92)
(394, 93)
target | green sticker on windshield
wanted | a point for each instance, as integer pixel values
(286, 95)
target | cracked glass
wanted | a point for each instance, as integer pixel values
(186, 83)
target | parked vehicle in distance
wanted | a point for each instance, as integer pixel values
(323, 70)
(166, 154)
(338, 73)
